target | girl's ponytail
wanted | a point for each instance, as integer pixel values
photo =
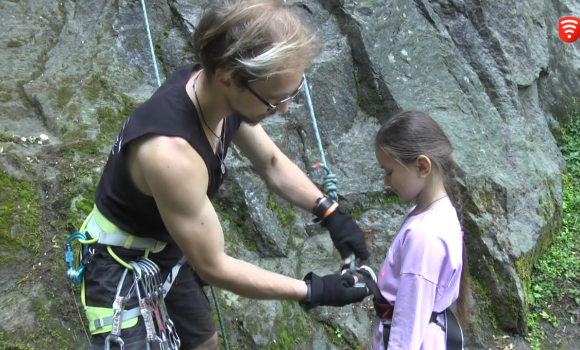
(452, 188)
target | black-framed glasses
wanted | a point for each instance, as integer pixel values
(270, 105)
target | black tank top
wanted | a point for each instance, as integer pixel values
(168, 112)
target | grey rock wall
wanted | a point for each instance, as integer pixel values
(494, 74)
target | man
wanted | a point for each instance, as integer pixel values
(168, 162)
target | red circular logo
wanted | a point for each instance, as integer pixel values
(569, 29)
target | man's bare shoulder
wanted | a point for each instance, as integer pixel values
(165, 158)
(154, 143)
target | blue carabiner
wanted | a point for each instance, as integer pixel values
(75, 274)
(75, 236)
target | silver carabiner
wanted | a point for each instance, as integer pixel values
(114, 339)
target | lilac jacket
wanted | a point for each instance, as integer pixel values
(421, 274)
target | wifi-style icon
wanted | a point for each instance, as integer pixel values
(569, 29)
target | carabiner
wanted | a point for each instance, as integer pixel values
(363, 274)
(114, 339)
(74, 273)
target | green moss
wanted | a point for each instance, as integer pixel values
(79, 181)
(64, 95)
(78, 168)
(291, 325)
(157, 46)
(48, 332)
(239, 222)
(505, 302)
(5, 97)
(140, 73)
(23, 233)
(73, 110)
(551, 213)
(96, 87)
(7, 341)
(19, 215)
(271, 203)
(6, 138)
(286, 216)
(62, 10)
(337, 338)
(375, 200)
(553, 275)
(14, 43)
(553, 278)
(484, 301)
(157, 49)
(110, 120)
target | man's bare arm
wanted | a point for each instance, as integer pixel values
(282, 176)
(177, 178)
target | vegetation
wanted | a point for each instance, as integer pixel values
(556, 276)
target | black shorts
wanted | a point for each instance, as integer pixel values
(187, 304)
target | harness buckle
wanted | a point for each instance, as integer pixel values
(367, 278)
(383, 310)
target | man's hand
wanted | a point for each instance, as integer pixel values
(332, 290)
(346, 234)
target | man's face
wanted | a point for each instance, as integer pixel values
(261, 99)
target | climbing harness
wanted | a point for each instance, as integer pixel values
(384, 310)
(147, 287)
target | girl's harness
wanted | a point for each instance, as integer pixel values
(384, 310)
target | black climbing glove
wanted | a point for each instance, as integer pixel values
(346, 234)
(331, 290)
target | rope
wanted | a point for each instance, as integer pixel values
(151, 47)
(329, 181)
(214, 294)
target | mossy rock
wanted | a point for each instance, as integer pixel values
(33, 266)
(20, 211)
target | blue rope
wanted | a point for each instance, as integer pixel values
(329, 181)
(214, 294)
(150, 43)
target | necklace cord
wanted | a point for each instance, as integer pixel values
(220, 153)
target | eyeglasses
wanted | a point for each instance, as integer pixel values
(270, 105)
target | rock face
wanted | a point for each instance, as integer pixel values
(495, 75)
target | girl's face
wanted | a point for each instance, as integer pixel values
(406, 181)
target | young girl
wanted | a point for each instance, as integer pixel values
(425, 270)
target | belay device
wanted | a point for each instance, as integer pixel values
(366, 277)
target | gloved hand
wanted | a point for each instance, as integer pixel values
(332, 290)
(346, 234)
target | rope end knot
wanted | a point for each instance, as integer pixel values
(329, 182)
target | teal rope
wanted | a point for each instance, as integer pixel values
(214, 294)
(329, 181)
(150, 42)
